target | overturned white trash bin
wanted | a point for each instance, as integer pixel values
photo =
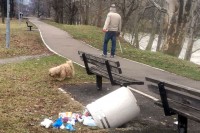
(114, 109)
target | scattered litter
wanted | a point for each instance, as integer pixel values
(58, 123)
(70, 127)
(46, 123)
(62, 126)
(176, 122)
(65, 114)
(73, 121)
(67, 120)
(88, 121)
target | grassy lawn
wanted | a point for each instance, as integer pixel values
(22, 41)
(27, 93)
(94, 36)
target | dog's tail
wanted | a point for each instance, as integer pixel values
(72, 67)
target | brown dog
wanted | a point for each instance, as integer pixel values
(62, 71)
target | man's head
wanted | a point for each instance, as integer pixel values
(113, 8)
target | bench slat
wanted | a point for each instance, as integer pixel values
(126, 80)
(100, 72)
(100, 59)
(175, 86)
(180, 97)
(186, 111)
(100, 63)
(121, 80)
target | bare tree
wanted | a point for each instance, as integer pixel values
(193, 22)
(58, 9)
(3, 10)
(99, 13)
(127, 7)
(153, 31)
(179, 12)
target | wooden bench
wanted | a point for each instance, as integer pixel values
(102, 67)
(29, 26)
(177, 99)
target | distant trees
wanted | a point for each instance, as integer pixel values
(170, 21)
(3, 7)
(3, 10)
(181, 21)
(179, 13)
(193, 28)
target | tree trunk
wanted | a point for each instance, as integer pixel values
(136, 41)
(99, 14)
(127, 8)
(12, 11)
(153, 32)
(3, 4)
(160, 34)
(60, 10)
(38, 9)
(135, 31)
(177, 28)
(191, 29)
(87, 13)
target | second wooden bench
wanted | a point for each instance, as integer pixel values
(177, 99)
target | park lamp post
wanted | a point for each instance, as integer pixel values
(8, 25)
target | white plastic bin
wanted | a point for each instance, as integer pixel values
(114, 109)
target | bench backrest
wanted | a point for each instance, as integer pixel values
(180, 94)
(99, 62)
(106, 67)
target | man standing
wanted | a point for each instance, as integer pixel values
(112, 27)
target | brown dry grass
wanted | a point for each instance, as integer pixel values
(27, 93)
(22, 41)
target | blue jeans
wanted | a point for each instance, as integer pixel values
(109, 35)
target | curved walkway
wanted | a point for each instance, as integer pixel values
(20, 58)
(63, 44)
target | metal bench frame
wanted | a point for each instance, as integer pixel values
(172, 106)
(29, 26)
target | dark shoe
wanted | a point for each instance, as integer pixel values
(111, 56)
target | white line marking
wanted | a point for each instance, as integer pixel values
(60, 89)
(144, 94)
(56, 52)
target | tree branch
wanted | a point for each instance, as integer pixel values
(196, 50)
(158, 6)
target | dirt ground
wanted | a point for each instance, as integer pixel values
(150, 120)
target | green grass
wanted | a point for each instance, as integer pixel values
(94, 36)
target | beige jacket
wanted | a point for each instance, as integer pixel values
(113, 22)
